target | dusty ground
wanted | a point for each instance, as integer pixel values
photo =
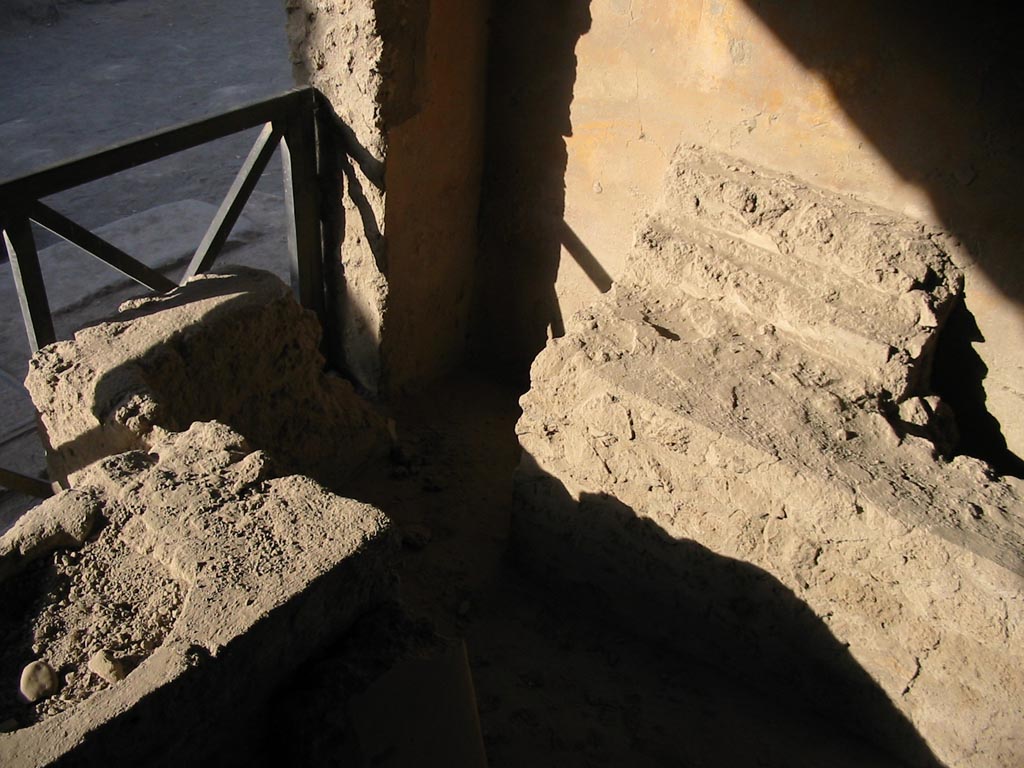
(556, 682)
(107, 72)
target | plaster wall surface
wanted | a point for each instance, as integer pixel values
(433, 181)
(405, 79)
(904, 108)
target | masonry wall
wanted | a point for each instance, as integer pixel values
(909, 107)
(406, 81)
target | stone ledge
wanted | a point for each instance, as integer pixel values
(274, 569)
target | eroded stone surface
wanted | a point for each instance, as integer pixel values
(232, 347)
(105, 665)
(744, 429)
(272, 569)
(60, 524)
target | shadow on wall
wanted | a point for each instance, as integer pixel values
(585, 259)
(958, 375)
(723, 612)
(936, 88)
(531, 75)
(341, 156)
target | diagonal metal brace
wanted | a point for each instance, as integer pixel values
(302, 201)
(234, 201)
(97, 247)
(30, 486)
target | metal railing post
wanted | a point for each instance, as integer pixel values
(28, 279)
(302, 200)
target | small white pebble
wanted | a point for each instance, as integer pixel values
(38, 681)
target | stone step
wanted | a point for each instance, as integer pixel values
(715, 441)
(886, 252)
(835, 317)
(866, 288)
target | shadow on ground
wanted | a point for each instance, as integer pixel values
(571, 675)
(724, 613)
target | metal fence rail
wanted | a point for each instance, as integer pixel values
(288, 120)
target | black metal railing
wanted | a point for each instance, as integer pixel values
(288, 120)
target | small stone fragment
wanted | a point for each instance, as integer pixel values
(914, 411)
(65, 520)
(38, 681)
(106, 666)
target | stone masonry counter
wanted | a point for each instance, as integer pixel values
(744, 430)
(273, 569)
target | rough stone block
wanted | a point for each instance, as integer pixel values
(727, 449)
(236, 348)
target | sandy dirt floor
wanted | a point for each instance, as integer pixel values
(556, 682)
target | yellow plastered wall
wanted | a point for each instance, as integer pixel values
(851, 101)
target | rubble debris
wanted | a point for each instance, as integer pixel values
(43, 529)
(104, 665)
(281, 568)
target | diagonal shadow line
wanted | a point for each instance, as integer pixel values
(366, 215)
(721, 612)
(933, 90)
(343, 136)
(588, 263)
